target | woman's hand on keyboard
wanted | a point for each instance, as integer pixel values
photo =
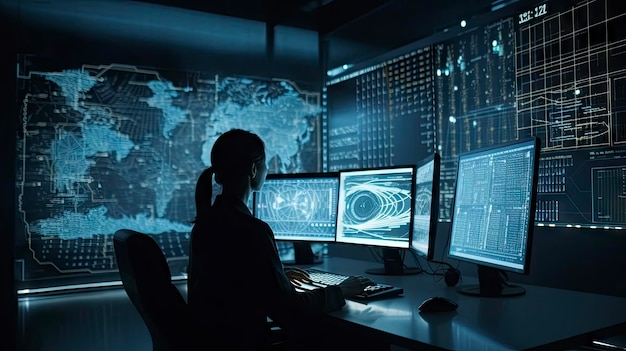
(298, 276)
(355, 285)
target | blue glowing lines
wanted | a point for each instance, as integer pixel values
(375, 207)
(299, 208)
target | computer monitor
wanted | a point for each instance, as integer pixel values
(426, 207)
(493, 217)
(301, 208)
(376, 209)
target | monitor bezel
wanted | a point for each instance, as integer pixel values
(434, 207)
(536, 142)
(304, 175)
(351, 172)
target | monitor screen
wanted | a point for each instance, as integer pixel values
(299, 207)
(426, 206)
(494, 208)
(375, 206)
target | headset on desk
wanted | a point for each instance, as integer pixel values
(451, 276)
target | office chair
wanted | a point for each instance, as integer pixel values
(147, 281)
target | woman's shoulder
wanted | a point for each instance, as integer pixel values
(253, 221)
(216, 216)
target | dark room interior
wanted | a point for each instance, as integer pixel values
(311, 49)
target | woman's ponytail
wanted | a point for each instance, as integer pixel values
(204, 191)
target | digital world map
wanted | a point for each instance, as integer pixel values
(105, 147)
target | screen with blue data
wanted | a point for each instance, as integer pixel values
(555, 70)
(494, 204)
(426, 206)
(299, 207)
(376, 206)
(102, 147)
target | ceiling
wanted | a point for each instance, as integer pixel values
(380, 23)
(323, 16)
(350, 30)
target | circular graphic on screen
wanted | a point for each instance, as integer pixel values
(377, 208)
(362, 207)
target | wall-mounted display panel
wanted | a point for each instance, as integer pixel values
(107, 146)
(551, 69)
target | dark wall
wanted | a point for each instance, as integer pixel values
(580, 259)
(150, 35)
(8, 298)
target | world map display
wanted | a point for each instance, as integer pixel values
(105, 147)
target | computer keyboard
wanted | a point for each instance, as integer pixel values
(372, 292)
(325, 278)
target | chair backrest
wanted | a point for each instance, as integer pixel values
(147, 281)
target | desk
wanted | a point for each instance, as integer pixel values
(542, 319)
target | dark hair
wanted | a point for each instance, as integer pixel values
(231, 157)
(234, 152)
(204, 190)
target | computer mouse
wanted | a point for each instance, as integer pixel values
(438, 304)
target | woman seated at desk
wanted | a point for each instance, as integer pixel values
(236, 278)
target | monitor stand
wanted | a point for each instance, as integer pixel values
(393, 265)
(303, 255)
(491, 283)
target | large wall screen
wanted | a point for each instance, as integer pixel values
(382, 115)
(104, 147)
(551, 69)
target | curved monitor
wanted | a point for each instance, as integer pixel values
(426, 206)
(376, 209)
(299, 207)
(493, 217)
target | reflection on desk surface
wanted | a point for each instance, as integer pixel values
(368, 312)
(543, 318)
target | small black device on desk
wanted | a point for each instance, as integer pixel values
(372, 292)
(438, 304)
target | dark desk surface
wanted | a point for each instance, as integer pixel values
(543, 318)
